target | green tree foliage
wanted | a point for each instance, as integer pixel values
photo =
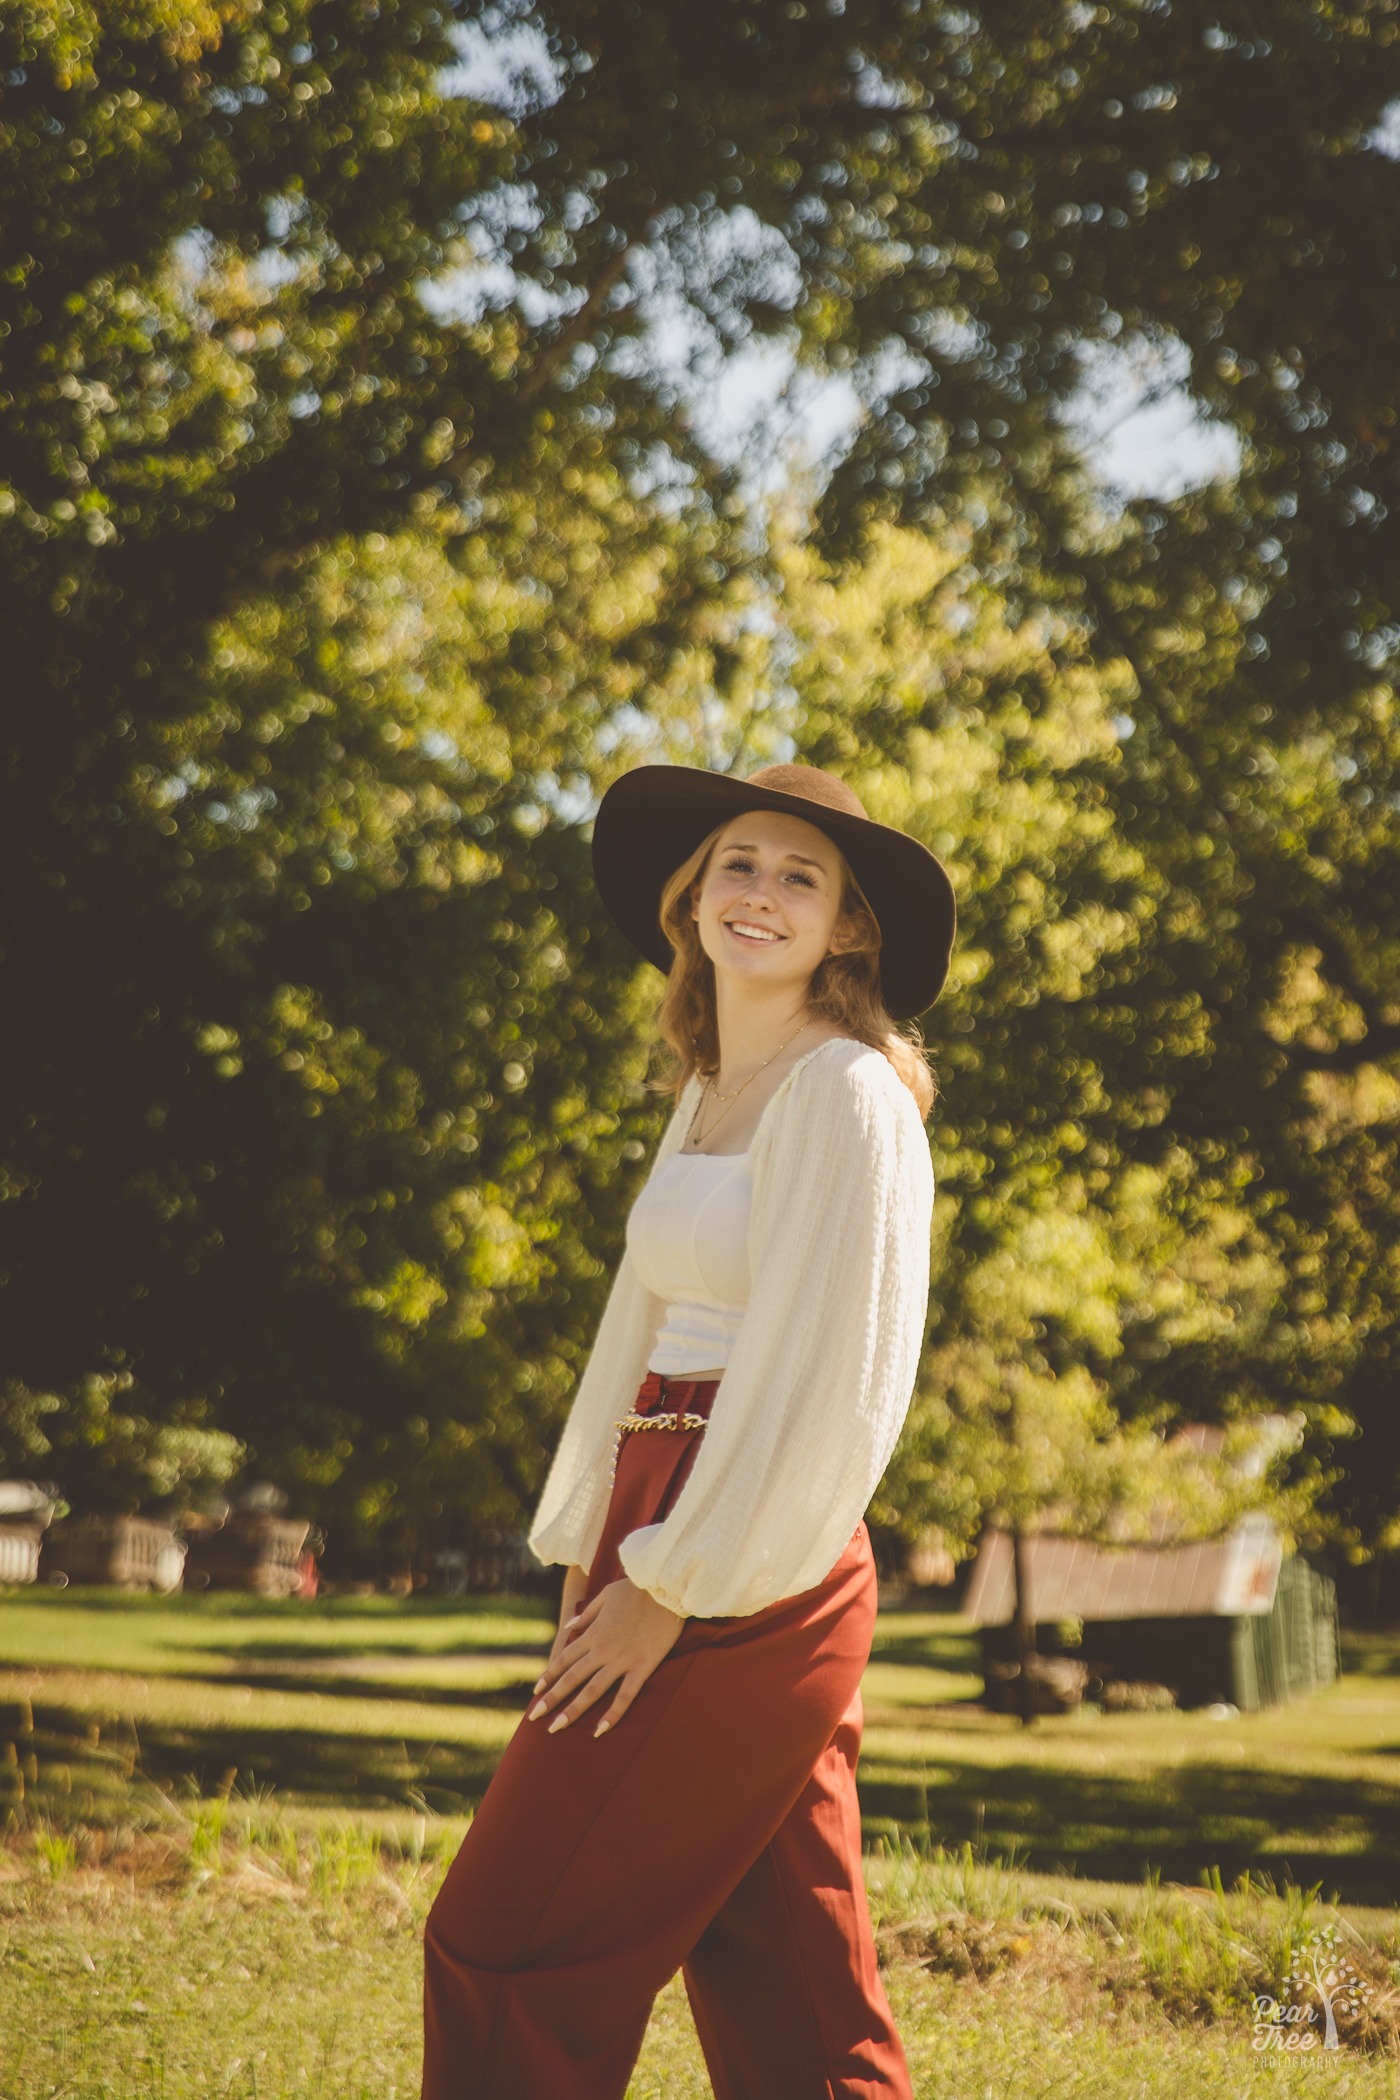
(316, 1117)
(1268, 809)
(352, 536)
(354, 1081)
(971, 201)
(1090, 1292)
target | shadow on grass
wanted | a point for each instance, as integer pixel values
(1112, 1827)
(1102, 1824)
(513, 1696)
(1099, 1826)
(256, 1650)
(238, 1604)
(351, 1772)
(956, 1654)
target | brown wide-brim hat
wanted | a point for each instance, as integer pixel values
(653, 817)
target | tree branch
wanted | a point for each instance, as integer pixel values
(578, 325)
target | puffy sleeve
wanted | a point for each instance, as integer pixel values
(568, 1520)
(820, 1375)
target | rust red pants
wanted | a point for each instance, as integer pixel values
(714, 1830)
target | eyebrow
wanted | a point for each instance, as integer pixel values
(738, 846)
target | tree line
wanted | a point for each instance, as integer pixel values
(355, 532)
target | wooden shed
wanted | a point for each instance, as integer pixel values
(133, 1553)
(26, 1511)
(257, 1551)
(1232, 1619)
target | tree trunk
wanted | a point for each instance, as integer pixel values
(1024, 1626)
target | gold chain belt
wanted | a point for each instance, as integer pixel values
(659, 1421)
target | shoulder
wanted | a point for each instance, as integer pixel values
(844, 1140)
(845, 1088)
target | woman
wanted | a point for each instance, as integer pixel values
(682, 1791)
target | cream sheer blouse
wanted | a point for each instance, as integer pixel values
(819, 1378)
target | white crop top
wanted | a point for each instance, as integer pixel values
(688, 1236)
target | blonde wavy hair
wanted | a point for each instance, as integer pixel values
(844, 987)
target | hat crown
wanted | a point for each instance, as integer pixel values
(812, 784)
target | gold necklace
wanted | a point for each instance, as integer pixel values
(730, 1099)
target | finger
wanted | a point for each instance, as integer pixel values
(557, 1645)
(575, 1640)
(563, 1641)
(626, 1693)
(565, 1678)
(603, 1679)
(564, 1649)
(565, 1681)
(559, 1661)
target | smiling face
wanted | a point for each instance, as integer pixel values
(769, 907)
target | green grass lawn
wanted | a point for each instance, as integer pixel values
(379, 1706)
(227, 1819)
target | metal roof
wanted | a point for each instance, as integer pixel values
(1071, 1579)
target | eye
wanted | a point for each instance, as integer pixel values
(742, 865)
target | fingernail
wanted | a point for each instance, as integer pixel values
(602, 1728)
(538, 1689)
(558, 1722)
(536, 1711)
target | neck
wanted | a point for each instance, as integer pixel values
(752, 1023)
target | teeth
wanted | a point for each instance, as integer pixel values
(756, 933)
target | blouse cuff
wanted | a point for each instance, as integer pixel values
(633, 1549)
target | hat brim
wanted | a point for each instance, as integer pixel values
(651, 818)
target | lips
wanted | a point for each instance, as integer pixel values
(768, 937)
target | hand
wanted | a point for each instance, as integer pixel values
(618, 1639)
